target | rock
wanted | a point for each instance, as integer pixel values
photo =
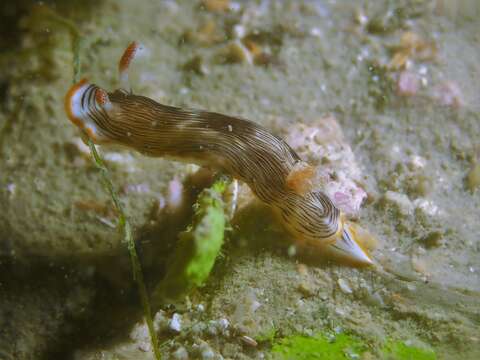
(344, 286)
(180, 354)
(218, 327)
(306, 288)
(323, 145)
(247, 340)
(160, 321)
(204, 351)
(408, 84)
(175, 323)
(141, 336)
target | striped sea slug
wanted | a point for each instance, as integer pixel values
(239, 147)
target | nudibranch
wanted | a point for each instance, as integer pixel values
(239, 147)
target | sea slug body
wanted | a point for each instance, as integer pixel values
(239, 147)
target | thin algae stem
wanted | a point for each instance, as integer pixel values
(127, 229)
(123, 221)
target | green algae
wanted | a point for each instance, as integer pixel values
(198, 247)
(343, 346)
(299, 347)
(401, 351)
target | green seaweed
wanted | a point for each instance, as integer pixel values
(342, 346)
(297, 347)
(400, 351)
(198, 246)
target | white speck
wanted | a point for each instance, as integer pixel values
(142, 52)
(423, 70)
(119, 158)
(107, 222)
(340, 312)
(142, 188)
(11, 187)
(200, 307)
(184, 91)
(362, 19)
(239, 31)
(323, 87)
(230, 128)
(129, 133)
(471, 269)
(223, 324)
(265, 101)
(175, 323)
(235, 6)
(175, 194)
(315, 32)
(170, 6)
(364, 53)
(344, 286)
(418, 162)
(248, 341)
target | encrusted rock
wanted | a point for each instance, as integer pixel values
(323, 145)
(175, 323)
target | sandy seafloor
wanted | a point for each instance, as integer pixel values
(65, 286)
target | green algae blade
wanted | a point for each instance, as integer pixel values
(198, 246)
